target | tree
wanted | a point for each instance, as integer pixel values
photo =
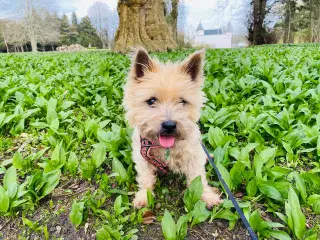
(14, 34)
(64, 30)
(88, 34)
(49, 33)
(258, 28)
(172, 17)
(142, 23)
(98, 14)
(74, 19)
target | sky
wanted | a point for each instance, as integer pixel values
(197, 10)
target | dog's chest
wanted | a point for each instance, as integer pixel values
(172, 158)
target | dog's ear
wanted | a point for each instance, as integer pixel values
(141, 63)
(193, 65)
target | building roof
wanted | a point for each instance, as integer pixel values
(213, 32)
(200, 28)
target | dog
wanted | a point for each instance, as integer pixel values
(162, 103)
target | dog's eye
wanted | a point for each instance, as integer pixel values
(184, 102)
(151, 101)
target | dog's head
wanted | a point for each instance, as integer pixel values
(164, 100)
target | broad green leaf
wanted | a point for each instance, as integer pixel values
(225, 214)
(252, 188)
(262, 158)
(281, 235)
(270, 191)
(99, 154)
(182, 227)
(17, 160)
(76, 214)
(314, 202)
(117, 167)
(102, 234)
(39, 125)
(199, 213)
(4, 200)
(10, 183)
(51, 180)
(73, 163)
(296, 219)
(169, 228)
(193, 194)
(300, 185)
(150, 199)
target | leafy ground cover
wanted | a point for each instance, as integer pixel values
(65, 165)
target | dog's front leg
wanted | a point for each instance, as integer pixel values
(195, 168)
(146, 178)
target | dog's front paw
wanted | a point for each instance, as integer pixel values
(211, 198)
(140, 199)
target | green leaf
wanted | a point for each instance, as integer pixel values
(117, 167)
(255, 220)
(193, 194)
(318, 146)
(46, 232)
(182, 227)
(216, 137)
(199, 213)
(300, 185)
(262, 158)
(10, 182)
(150, 199)
(225, 174)
(51, 180)
(252, 188)
(225, 214)
(314, 202)
(102, 234)
(296, 219)
(4, 200)
(99, 154)
(73, 163)
(270, 191)
(244, 154)
(169, 228)
(281, 235)
(17, 160)
(76, 214)
(39, 125)
(117, 206)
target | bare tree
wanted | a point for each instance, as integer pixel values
(49, 32)
(13, 33)
(99, 14)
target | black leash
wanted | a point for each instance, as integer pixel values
(232, 198)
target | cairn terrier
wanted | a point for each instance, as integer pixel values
(163, 103)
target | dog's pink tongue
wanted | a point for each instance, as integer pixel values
(166, 141)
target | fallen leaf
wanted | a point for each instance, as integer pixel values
(148, 217)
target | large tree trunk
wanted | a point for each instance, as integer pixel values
(259, 13)
(174, 17)
(142, 23)
(33, 44)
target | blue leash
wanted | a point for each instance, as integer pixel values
(232, 198)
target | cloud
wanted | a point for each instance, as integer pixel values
(81, 6)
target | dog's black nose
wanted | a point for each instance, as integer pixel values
(169, 126)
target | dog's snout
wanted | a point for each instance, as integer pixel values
(169, 126)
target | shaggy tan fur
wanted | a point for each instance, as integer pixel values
(177, 90)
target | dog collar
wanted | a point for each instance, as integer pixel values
(146, 146)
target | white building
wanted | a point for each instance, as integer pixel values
(215, 38)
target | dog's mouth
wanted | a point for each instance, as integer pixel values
(166, 141)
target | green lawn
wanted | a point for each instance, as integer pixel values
(65, 157)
